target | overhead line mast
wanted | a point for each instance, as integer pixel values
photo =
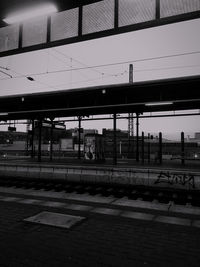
(130, 115)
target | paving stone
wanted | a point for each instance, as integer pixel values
(53, 204)
(30, 201)
(89, 198)
(107, 211)
(185, 210)
(10, 199)
(78, 207)
(173, 220)
(141, 204)
(138, 215)
(196, 223)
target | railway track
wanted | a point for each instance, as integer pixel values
(150, 194)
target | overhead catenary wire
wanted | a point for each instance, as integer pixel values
(118, 63)
(28, 77)
(64, 62)
(4, 68)
(83, 64)
(169, 68)
(6, 73)
(124, 62)
(110, 75)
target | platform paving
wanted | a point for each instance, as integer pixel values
(112, 236)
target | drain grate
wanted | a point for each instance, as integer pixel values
(55, 219)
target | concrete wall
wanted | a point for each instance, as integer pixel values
(107, 175)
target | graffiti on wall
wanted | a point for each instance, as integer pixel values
(173, 178)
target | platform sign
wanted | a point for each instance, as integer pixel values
(59, 126)
(48, 124)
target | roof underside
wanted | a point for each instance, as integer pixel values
(183, 92)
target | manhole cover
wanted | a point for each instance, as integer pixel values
(55, 219)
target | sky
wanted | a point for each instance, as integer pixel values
(156, 53)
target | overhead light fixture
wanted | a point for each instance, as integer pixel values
(30, 13)
(3, 114)
(158, 103)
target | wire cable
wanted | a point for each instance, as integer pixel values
(27, 77)
(115, 64)
(124, 62)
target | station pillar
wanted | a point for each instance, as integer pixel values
(39, 140)
(32, 139)
(79, 137)
(142, 147)
(114, 139)
(182, 149)
(160, 148)
(137, 137)
(149, 148)
(51, 142)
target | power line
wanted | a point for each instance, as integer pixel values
(28, 77)
(6, 73)
(83, 64)
(124, 62)
(169, 68)
(118, 63)
(63, 61)
(4, 68)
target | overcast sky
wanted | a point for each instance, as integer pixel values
(52, 68)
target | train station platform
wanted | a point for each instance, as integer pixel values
(40, 228)
(126, 172)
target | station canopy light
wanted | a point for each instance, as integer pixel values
(158, 103)
(31, 12)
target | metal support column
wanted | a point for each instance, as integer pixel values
(149, 148)
(137, 137)
(114, 139)
(32, 140)
(116, 20)
(157, 9)
(142, 147)
(51, 142)
(79, 137)
(160, 148)
(39, 140)
(182, 149)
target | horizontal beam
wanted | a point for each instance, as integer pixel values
(183, 94)
(81, 36)
(109, 118)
